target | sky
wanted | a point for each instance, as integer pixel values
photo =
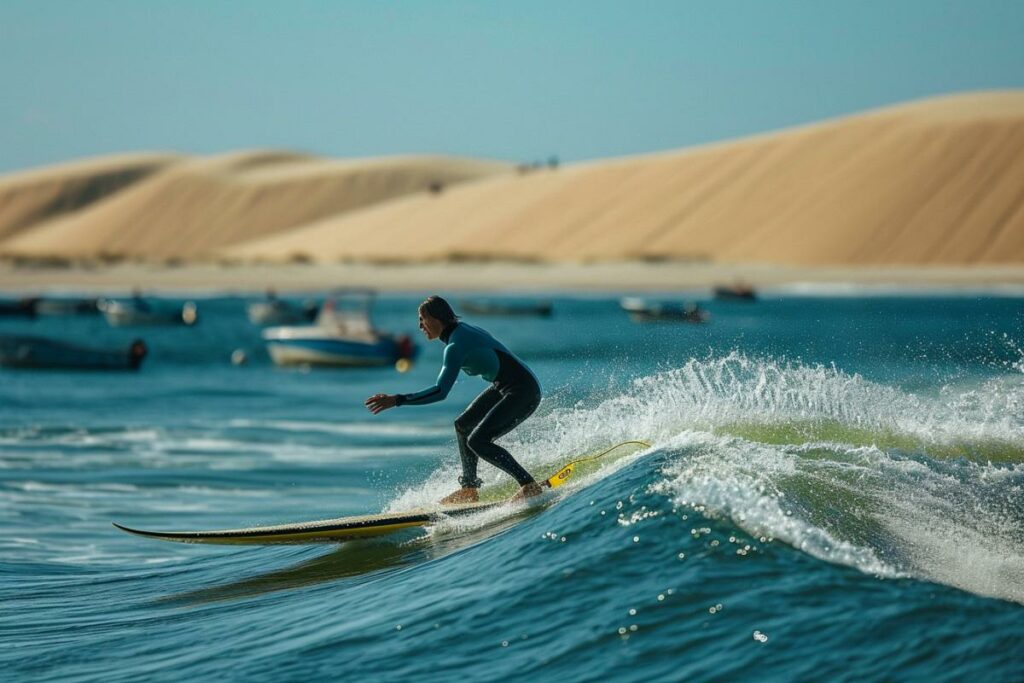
(512, 80)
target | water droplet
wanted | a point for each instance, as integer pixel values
(622, 630)
(682, 556)
(563, 539)
(632, 612)
(636, 539)
(504, 643)
(633, 627)
(661, 597)
(398, 627)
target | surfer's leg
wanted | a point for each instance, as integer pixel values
(464, 426)
(505, 416)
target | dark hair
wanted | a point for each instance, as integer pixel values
(439, 309)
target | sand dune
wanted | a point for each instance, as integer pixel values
(199, 204)
(31, 198)
(939, 181)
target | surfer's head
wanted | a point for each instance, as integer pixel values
(435, 315)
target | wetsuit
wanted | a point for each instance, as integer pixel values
(512, 397)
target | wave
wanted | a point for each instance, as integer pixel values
(847, 470)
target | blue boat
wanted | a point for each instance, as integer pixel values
(40, 353)
(342, 336)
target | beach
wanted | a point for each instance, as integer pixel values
(496, 277)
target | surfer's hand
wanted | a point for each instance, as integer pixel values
(381, 402)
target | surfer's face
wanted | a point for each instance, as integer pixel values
(430, 326)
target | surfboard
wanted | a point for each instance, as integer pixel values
(368, 526)
(325, 530)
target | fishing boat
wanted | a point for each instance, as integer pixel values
(540, 309)
(641, 311)
(67, 306)
(41, 353)
(19, 308)
(273, 311)
(137, 312)
(342, 336)
(735, 292)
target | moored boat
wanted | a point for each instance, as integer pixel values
(138, 312)
(540, 309)
(342, 336)
(641, 311)
(41, 353)
(278, 312)
(67, 306)
(736, 292)
(19, 308)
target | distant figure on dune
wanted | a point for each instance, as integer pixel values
(512, 397)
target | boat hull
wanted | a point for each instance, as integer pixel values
(332, 352)
(38, 353)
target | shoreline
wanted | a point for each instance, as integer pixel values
(497, 277)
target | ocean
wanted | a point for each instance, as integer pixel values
(834, 491)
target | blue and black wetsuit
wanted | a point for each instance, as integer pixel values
(512, 397)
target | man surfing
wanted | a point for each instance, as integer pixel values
(512, 397)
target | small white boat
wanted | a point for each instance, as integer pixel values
(67, 306)
(641, 311)
(140, 312)
(278, 312)
(539, 309)
(342, 336)
(40, 353)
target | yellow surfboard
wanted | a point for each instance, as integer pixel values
(368, 526)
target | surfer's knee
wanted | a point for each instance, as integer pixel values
(464, 426)
(480, 442)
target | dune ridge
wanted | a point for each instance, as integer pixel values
(199, 204)
(31, 198)
(935, 182)
(938, 181)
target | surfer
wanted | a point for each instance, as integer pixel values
(512, 397)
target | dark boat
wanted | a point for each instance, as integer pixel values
(641, 311)
(279, 312)
(40, 353)
(66, 306)
(137, 311)
(540, 309)
(737, 292)
(19, 308)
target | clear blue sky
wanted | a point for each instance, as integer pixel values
(509, 80)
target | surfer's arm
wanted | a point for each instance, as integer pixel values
(453, 355)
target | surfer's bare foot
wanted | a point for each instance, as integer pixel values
(528, 491)
(463, 495)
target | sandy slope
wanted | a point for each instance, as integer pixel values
(939, 181)
(199, 204)
(30, 198)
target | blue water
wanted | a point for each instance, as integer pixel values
(835, 491)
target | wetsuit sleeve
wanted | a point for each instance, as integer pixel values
(453, 356)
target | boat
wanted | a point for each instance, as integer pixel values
(41, 353)
(540, 309)
(67, 306)
(641, 311)
(737, 292)
(273, 311)
(139, 312)
(18, 308)
(342, 336)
